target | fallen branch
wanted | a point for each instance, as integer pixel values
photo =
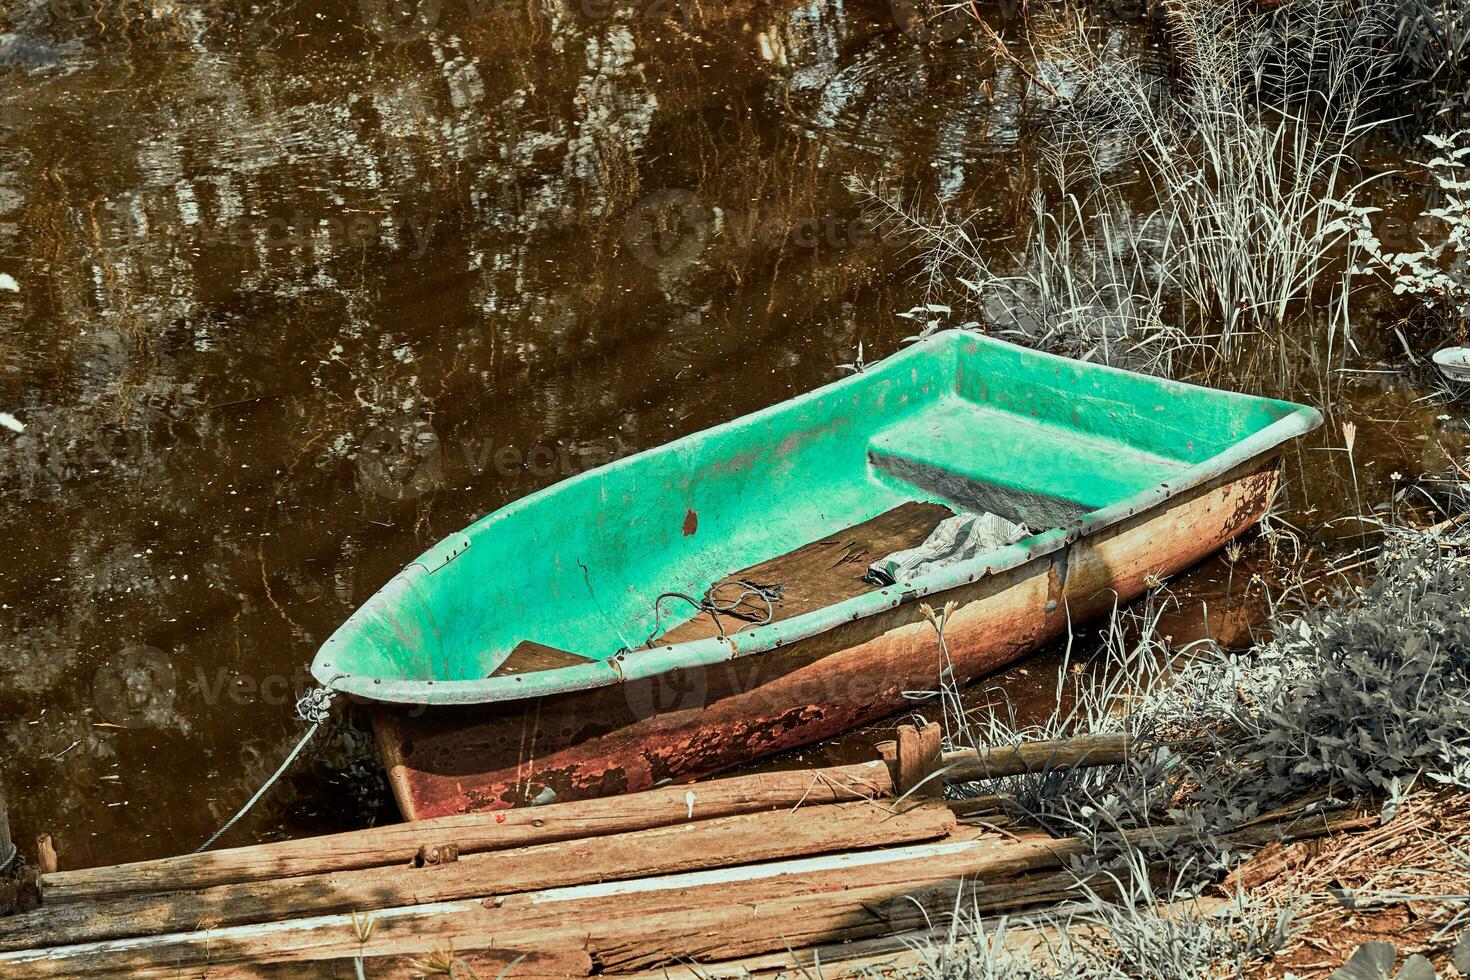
(968, 765)
(1005, 52)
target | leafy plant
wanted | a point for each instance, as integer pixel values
(1353, 695)
(1438, 272)
(1376, 960)
(1431, 39)
(1378, 685)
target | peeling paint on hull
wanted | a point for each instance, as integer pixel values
(690, 723)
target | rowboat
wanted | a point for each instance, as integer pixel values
(759, 585)
(1454, 363)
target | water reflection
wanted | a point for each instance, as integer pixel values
(303, 289)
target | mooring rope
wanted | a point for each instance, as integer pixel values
(315, 707)
(14, 852)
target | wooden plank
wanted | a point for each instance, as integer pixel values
(821, 573)
(587, 917)
(476, 832)
(987, 876)
(529, 656)
(688, 909)
(641, 924)
(659, 851)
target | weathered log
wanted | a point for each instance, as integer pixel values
(977, 806)
(659, 851)
(968, 765)
(476, 832)
(479, 832)
(640, 924)
(827, 961)
(995, 878)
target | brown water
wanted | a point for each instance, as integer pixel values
(303, 290)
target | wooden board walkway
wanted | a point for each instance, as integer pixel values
(749, 873)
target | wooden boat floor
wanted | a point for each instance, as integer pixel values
(530, 656)
(817, 574)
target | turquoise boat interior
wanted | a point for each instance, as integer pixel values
(548, 592)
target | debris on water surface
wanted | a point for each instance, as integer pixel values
(11, 422)
(8, 283)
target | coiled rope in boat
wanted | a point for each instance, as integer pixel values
(711, 603)
(314, 707)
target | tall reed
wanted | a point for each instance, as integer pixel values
(1199, 219)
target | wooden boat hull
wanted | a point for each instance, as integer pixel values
(689, 723)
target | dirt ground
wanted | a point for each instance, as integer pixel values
(1405, 882)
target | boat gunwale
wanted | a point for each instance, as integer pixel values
(651, 662)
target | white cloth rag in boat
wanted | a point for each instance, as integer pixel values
(954, 540)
